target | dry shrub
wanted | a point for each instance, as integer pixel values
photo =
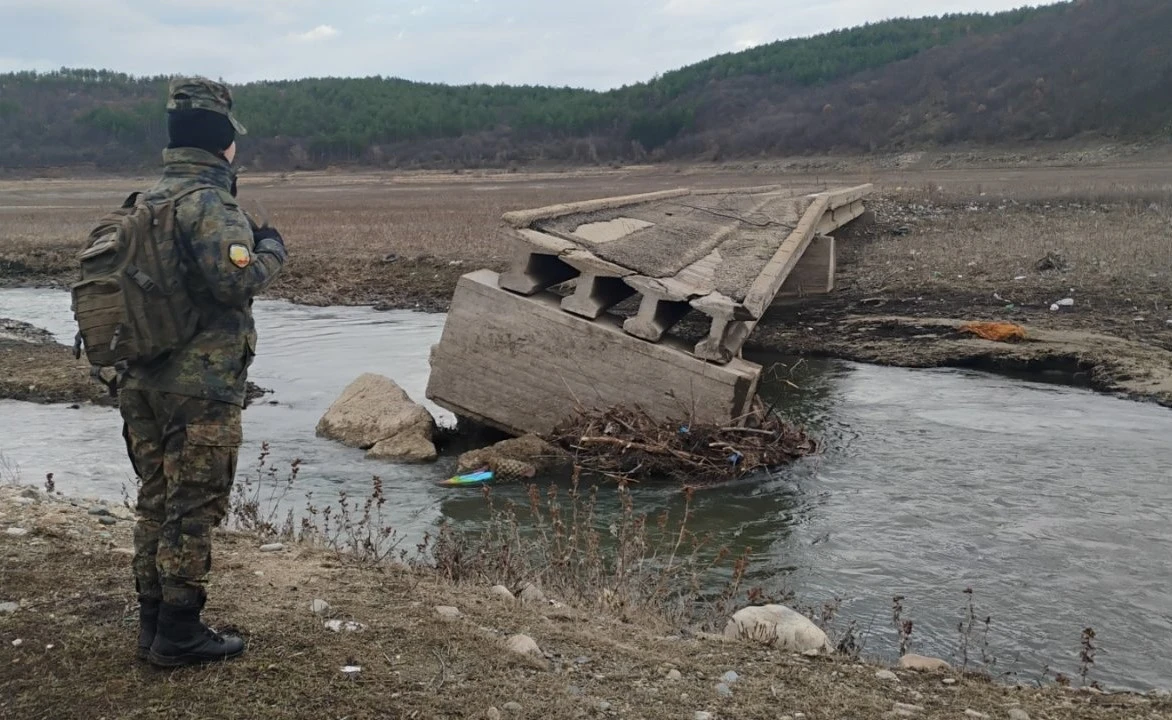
(631, 564)
(630, 444)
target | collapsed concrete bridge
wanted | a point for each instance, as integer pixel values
(522, 350)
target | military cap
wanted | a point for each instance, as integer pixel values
(187, 93)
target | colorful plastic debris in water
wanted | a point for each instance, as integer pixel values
(476, 478)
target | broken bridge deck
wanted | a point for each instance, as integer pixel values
(726, 254)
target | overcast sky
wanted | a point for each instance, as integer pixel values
(583, 43)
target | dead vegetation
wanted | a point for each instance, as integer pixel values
(75, 623)
(630, 445)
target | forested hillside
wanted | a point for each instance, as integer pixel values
(1091, 66)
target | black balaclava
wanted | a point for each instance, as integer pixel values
(197, 128)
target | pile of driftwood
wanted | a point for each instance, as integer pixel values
(626, 443)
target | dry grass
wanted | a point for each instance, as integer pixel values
(77, 627)
(944, 243)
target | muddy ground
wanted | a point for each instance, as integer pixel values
(68, 628)
(947, 239)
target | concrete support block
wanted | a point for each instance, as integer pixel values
(523, 364)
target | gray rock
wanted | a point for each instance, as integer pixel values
(675, 676)
(522, 645)
(348, 626)
(447, 612)
(532, 594)
(582, 660)
(514, 707)
(724, 690)
(7, 608)
(34, 494)
(604, 707)
(272, 547)
(107, 520)
(493, 714)
(701, 715)
(976, 715)
(16, 532)
(378, 416)
(99, 511)
(730, 677)
(777, 625)
(1018, 714)
(319, 607)
(907, 710)
(502, 592)
(887, 675)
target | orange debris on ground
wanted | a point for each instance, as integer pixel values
(996, 331)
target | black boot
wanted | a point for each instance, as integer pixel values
(148, 621)
(183, 640)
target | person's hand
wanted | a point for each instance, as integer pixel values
(267, 233)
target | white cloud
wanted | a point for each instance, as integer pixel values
(321, 32)
(570, 42)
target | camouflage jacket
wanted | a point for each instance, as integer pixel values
(223, 281)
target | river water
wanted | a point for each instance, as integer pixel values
(1053, 504)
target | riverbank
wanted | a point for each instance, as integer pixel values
(1081, 258)
(427, 647)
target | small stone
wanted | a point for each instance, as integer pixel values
(701, 715)
(502, 592)
(493, 714)
(34, 494)
(724, 690)
(887, 676)
(272, 547)
(532, 594)
(49, 647)
(975, 714)
(16, 532)
(730, 677)
(352, 671)
(907, 710)
(259, 573)
(349, 626)
(513, 707)
(949, 681)
(1018, 714)
(604, 706)
(7, 608)
(675, 676)
(17, 642)
(317, 607)
(447, 612)
(107, 520)
(125, 552)
(922, 663)
(581, 660)
(99, 511)
(522, 645)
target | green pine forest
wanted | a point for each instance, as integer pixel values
(1033, 74)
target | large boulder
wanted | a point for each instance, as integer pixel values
(376, 415)
(778, 626)
(515, 459)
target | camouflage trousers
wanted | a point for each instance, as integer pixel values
(184, 451)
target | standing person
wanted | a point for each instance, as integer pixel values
(182, 413)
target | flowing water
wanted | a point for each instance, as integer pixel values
(1053, 504)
